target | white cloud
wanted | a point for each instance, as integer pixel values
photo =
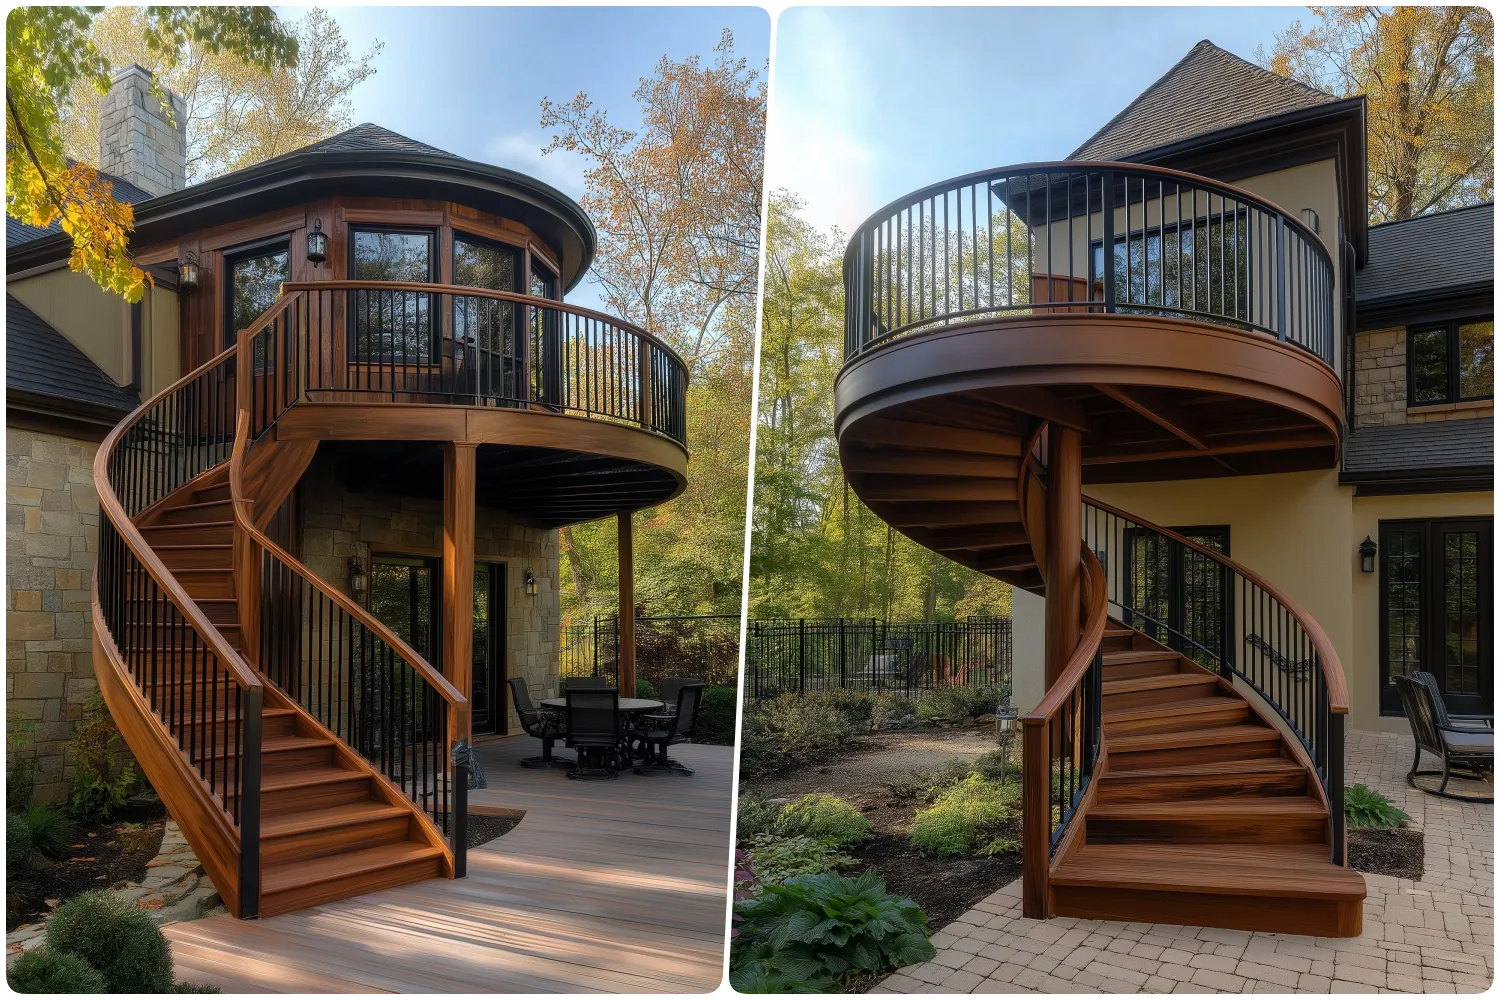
(522, 151)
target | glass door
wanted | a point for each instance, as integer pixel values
(254, 282)
(485, 328)
(1177, 594)
(487, 696)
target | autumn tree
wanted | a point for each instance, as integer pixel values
(235, 115)
(49, 51)
(1428, 77)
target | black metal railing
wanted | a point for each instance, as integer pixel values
(1082, 237)
(802, 654)
(398, 342)
(1233, 622)
(702, 646)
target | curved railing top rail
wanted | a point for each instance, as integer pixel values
(1328, 657)
(354, 285)
(1027, 240)
(1095, 594)
(110, 507)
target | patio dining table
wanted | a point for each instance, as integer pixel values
(629, 707)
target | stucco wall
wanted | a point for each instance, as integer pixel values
(96, 321)
(337, 524)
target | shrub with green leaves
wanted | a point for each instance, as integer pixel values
(957, 702)
(793, 729)
(776, 859)
(114, 937)
(826, 817)
(962, 815)
(48, 971)
(887, 706)
(811, 931)
(996, 764)
(21, 761)
(51, 832)
(1365, 807)
(716, 716)
(19, 850)
(755, 815)
(101, 782)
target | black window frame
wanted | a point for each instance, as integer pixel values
(248, 251)
(1451, 326)
(1177, 229)
(434, 265)
(518, 278)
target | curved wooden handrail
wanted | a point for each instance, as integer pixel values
(1096, 596)
(1328, 657)
(110, 507)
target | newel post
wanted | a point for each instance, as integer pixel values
(1036, 816)
(245, 555)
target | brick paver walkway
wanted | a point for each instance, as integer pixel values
(1434, 936)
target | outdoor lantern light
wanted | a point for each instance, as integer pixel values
(1311, 218)
(356, 578)
(187, 272)
(1367, 555)
(317, 243)
(530, 584)
(1005, 735)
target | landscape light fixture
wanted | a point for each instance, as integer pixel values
(187, 272)
(317, 243)
(1367, 552)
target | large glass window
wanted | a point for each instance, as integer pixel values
(486, 327)
(1196, 266)
(390, 325)
(1451, 362)
(255, 277)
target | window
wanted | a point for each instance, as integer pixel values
(1450, 362)
(486, 328)
(1191, 275)
(545, 335)
(393, 326)
(255, 277)
(1178, 595)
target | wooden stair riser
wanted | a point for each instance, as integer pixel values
(300, 897)
(274, 760)
(1123, 786)
(1195, 687)
(356, 788)
(207, 583)
(1247, 912)
(1125, 760)
(201, 533)
(1229, 715)
(1187, 828)
(196, 513)
(210, 494)
(196, 556)
(345, 837)
(1144, 668)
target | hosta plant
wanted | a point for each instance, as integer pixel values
(1364, 806)
(809, 932)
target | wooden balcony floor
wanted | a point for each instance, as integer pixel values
(613, 886)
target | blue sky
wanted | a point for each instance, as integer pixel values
(471, 79)
(870, 103)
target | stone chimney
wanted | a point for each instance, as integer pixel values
(136, 141)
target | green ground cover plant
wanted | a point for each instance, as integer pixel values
(964, 818)
(825, 817)
(776, 859)
(1365, 807)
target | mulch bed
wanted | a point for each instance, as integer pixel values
(1399, 853)
(482, 829)
(103, 856)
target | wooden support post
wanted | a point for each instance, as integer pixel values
(458, 574)
(625, 655)
(1064, 546)
(1036, 822)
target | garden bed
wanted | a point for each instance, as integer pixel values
(102, 855)
(1399, 853)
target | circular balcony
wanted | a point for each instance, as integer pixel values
(1186, 326)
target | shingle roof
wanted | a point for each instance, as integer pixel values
(1446, 444)
(42, 362)
(370, 137)
(1208, 90)
(17, 232)
(1429, 253)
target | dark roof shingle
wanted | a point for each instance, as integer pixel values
(18, 232)
(1446, 444)
(1429, 253)
(42, 362)
(1208, 90)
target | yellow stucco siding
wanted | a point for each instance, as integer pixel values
(96, 321)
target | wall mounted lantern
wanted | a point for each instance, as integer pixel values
(357, 580)
(530, 583)
(317, 243)
(187, 272)
(1367, 555)
(1310, 217)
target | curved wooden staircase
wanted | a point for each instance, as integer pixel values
(1181, 768)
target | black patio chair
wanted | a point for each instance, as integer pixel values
(594, 731)
(659, 731)
(670, 686)
(1464, 743)
(586, 683)
(544, 725)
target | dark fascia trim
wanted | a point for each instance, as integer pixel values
(1395, 482)
(299, 177)
(1334, 130)
(64, 408)
(1429, 304)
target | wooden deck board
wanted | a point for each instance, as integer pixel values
(615, 886)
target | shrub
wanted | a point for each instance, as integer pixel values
(1364, 806)
(644, 688)
(792, 729)
(955, 822)
(51, 832)
(775, 859)
(48, 971)
(18, 846)
(887, 706)
(716, 716)
(21, 761)
(826, 817)
(754, 816)
(957, 702)
(116, 938)
(803, 935)
(996, 764)
(100, 784)
(195, 988)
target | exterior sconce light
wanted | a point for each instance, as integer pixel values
(1310, 218)
(357, 580)
(317, 243)
(530, 584)
(187, 272)
(1367, 552)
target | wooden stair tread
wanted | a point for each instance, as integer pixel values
(1284, 871)
(1116, 656)
(1255, 765)
(1159, 682)
(286, 744)
(328, 817)
(304, 777)
(1193, 737)
(279, 878)
(1256, 805)
(1186, 708)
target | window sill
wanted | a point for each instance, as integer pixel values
(1469, 404)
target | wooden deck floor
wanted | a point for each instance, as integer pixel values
(606, 886)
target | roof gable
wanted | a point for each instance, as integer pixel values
(40, 362)
(1208, 90)
(1429, 253)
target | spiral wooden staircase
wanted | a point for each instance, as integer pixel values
(307, 751)
(1181, 768)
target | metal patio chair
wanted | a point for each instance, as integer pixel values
(658, 732)
(544, 725)
(594, 731)
(1464, 743)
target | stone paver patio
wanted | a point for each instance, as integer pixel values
(1435, 935)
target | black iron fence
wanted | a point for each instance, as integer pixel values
(821, 654)
(703, 646)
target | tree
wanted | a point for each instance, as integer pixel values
(235, 115)
(1428, 76)
(48, 51)
(677, 206)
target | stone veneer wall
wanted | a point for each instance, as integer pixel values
(51, 536)
(1380, 385)
(337, 524)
